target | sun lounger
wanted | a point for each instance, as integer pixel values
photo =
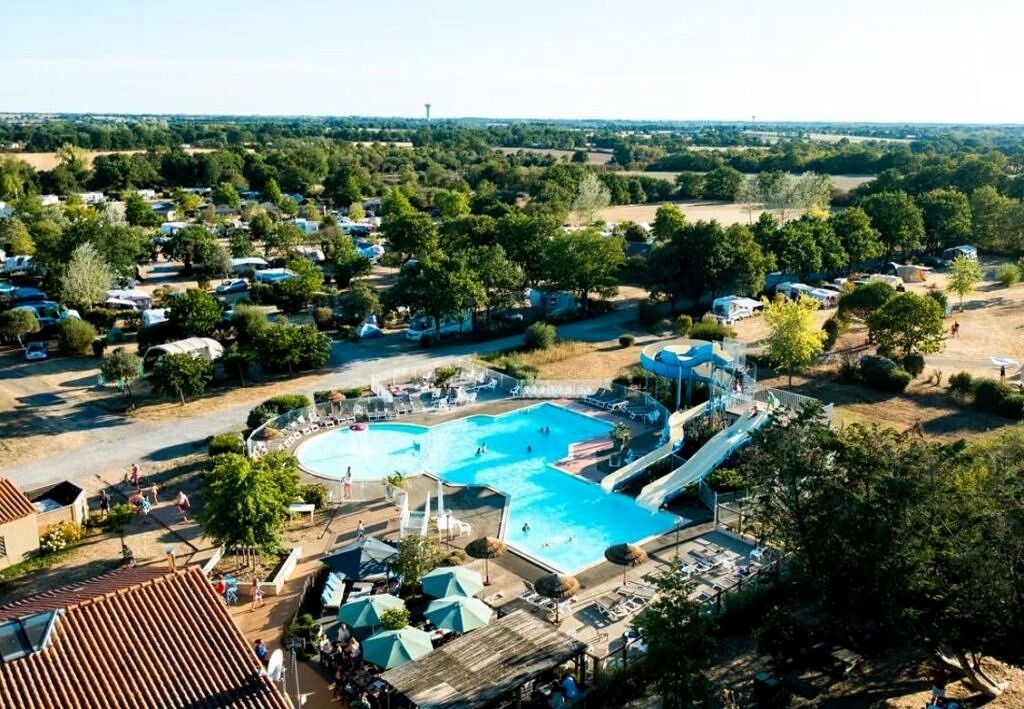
(530, 596)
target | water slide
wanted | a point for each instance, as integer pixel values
(711, 454)
(676, 422)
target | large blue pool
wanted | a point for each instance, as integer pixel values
(571, 520)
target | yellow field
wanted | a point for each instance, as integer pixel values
(593, 158)
(48, 161)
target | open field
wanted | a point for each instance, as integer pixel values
(593, 158)
(724, 212)
(840, 182)
(773, 137)
(48, 161)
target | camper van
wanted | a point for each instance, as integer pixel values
(963, 250)
(732, 308)
(422, 325)
(827, 298)
(18, 264)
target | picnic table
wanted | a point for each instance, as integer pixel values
(301, 508)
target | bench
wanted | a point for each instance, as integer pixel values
(301, 508)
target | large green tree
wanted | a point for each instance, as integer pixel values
(947, 218)
(190, 245)
(194, 313)
(181, 376)
(86, 279)
(795, 339)
(907, 323)
(859, 239)
(667, 221)
(245, 500)
(442, 285)
(898, 220)
(123, 366)
(722, 183)
(414, 235)
(15, 239)
(585, 262)
(15, 324)
(964, 276)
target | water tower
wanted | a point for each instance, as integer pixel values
(427, 106)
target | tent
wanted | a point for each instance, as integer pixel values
(911, 273)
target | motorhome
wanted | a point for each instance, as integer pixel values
(195, 347)
(827, 298)
(422, 325)
(18, 264)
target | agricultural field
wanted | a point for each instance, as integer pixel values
(593, 158)
(725, 213)
(48, 161)
(844, 183)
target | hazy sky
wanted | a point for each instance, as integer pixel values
(870, 60)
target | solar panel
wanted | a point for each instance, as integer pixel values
(23, 636)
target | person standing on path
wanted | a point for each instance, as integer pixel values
(347, 482)
(257, 594)
(136, 476)
(104, 503)
(152, 493)
(360, 531)
(183, 505)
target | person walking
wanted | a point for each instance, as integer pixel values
(257, 594)
(104, 503)
(360, 531)
(347, 482)
(1002, 372)
(152, 493)
(261, 652)
(183, 505)
(136, 475)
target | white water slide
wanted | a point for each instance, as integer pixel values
(711, 454)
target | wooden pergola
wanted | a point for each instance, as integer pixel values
(487, 665)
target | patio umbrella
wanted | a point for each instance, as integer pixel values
(625, 555)
(362, 560)
(486, 548)
(459, 613)
(452, 581)
(366, 611)
(557, 587)
(393, 648)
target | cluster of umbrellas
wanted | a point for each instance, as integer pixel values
(455, 609)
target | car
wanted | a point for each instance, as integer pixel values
(35, 350)
(234, 286)
(27, 295)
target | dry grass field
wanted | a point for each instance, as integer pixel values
(840, 182)
(593, 158)
(725, 213)
(48, 161)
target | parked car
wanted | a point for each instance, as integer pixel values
(26, 294)
(35, 350)
(236, 285)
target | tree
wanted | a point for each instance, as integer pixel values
(226, 194)
(86, 279)
(907, 323)
(190, 245)
(240, 245)
(680, 642)
(746, 264)
(359, 301)
(898, 220)
(260, 226)
(796, 248)
(525, 240)
(237, 360)
(947, 218)
(722, 183)
(246, 499)
(591, 197)
(283, 347)
(689, 264)
(295, 293)
(122, 366)
(964, 276)
(859, 239)
(356, 212)
(414, 234)
(271, 192)
(866, 299)
(75, 336)
(187, 203)
(415, 559)
(181, 376)
(218, 262)
(585, 262)
(451, 204)
(194, 313)
(248, 321)
(348, 262)
(668, 220)
(439, 286)
(989, 213)
(690, 185)
(282, 239)
(15, 239)
(15, 324)
(795, 339)
(137, 211)
(502, 280)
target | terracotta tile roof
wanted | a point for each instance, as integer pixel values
(139, 637)
(13, 503)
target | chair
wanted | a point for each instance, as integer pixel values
(514, 391)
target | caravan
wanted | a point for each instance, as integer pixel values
(422, 325)
(732, 308)
(827, 298)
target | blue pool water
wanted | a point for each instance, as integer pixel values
(556, 505)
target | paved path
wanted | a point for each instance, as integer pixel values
(115, 447)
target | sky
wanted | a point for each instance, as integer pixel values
(778, 60)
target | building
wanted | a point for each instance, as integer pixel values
(62, 502)
(136, 637)
(19, 532)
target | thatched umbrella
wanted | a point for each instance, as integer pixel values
(557, 587)
(486, 548)
(625, 555)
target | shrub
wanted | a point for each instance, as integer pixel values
(322, 396)
(961, 383)
(59, 537)
(540, 336)
(726, 480)
(314, 494)
(683, 325)
(518, 369)
(443, 375)
(939, 297)
(1008, 274)
(913, 363)
(883, 374)
(101, 318)
(711, 331)
(261, 294)
(849, 371)
(75, 336)
(832, 328)
(353, 393)
(648, 313)
(997, 397)
(323, 317)
(275, 406)
(181, 376)
(226, 443)
(119, 516)
(394, 618)
(626, 340)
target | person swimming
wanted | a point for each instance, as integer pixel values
(526, 526)
(529, 449)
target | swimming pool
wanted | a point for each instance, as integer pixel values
(571, 520)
